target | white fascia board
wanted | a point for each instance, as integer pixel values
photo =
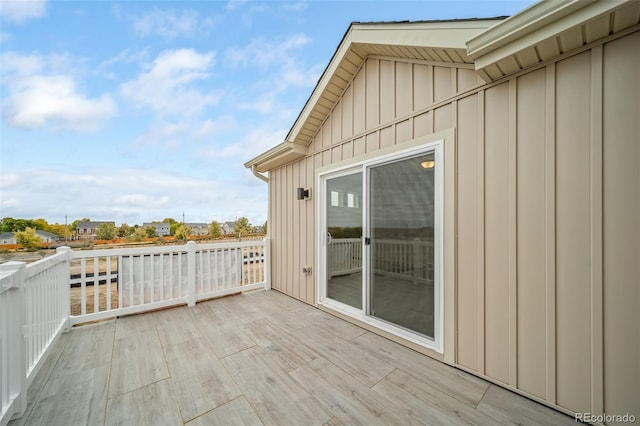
(279, 154)
(322, 84)
(534, 25)
(451, 34)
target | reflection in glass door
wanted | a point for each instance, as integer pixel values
(401, 229)
(344, 239)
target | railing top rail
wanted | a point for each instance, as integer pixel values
(236, 244)
(44, 264)
(133, 251)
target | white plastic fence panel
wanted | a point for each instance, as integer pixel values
(148, 278)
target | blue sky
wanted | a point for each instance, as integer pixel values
(134, 111)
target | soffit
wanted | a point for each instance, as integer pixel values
(547, 30)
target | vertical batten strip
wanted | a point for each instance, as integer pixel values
(480, 249)
(597, 239)
(512, 235)
(550, 229)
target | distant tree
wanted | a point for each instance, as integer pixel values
(28, 239)
(182, 232)
(139, 234)
(10, 224)
(242, 227)
(106, 231)
(215, 231)
(169, 220)
(265, 228)
(173, 227)
(41, 224)
(124, 230)
(6, 224)
(151, 231)
(56, 228)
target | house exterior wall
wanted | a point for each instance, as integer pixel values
(548, 208)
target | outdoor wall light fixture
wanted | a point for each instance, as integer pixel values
(430, 164)
(304, 194)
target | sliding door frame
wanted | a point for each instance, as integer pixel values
(363, 164)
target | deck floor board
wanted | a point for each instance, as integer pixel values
(259, 358)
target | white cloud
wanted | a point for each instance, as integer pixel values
(170, 23)
(38, 97)
(264, 53)
(127, 195)
(5, 37)
(168, 87)
(126, 56)
(15, 64)
(40, 100)
(295, 7)
(22, 10)
(170, 136)
(257, 140)
(210, 127)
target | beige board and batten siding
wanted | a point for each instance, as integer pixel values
(548, 230)
(548, 208)
(547, 213)
(385, 104)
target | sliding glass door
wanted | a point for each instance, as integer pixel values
(379, 242)
(401, 228)
(343, 236)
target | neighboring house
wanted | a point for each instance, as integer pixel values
(477, 181)
(7, 238)
(47, 237)
(198, 228)
(87, 230)
(228, 227)
(162, 228)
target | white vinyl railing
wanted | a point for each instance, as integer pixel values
(13, 378)
(406, 259)
(344, 256)
(40, 300)
(134, 280)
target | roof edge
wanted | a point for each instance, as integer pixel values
(278, 155)
(532, 25)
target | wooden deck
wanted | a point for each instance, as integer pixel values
(260, 358)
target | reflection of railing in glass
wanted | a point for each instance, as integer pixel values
(407, 259)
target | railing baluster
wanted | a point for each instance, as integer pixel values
(83, 286)
(96, 284)
(162, 280)
(152, 297)
(108, 283)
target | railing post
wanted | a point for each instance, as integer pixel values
(17, 327)
(267, 263)
(66, 293)
(191, 273)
